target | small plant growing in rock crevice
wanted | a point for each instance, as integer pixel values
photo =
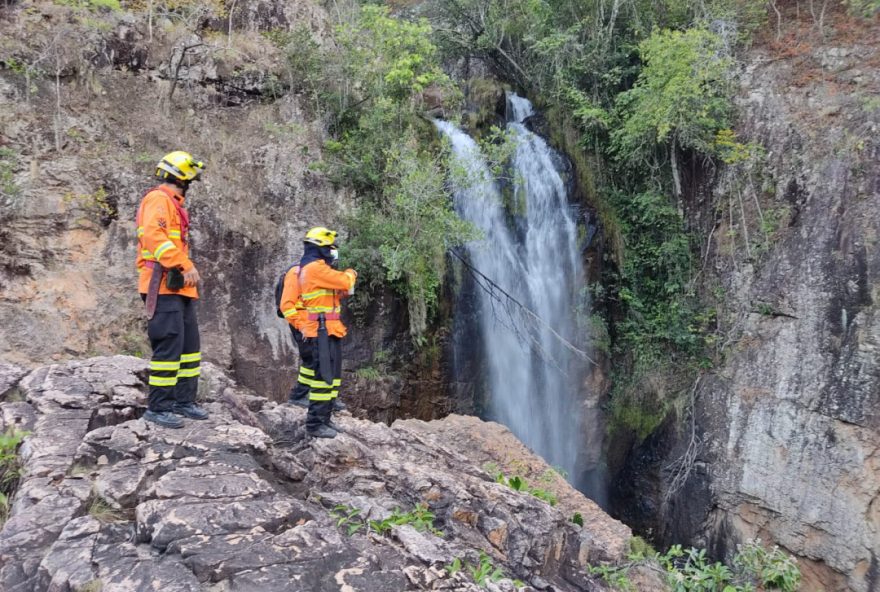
(10, 467)
(103, 511)
(517, 483)
(482, 573)
(348, 518)
(420, 518)
(99, 205)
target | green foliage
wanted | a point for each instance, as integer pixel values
(110, 5)
(347, 518)
(97, 204)
(863, 8)
(390, 56)
(401, 237)
(4, 508)
(485, 571)
(614, 576)
(305, 62)
(370, 85)
(517, 483)
(482, 572)
(577, 518)
(773, 569)
(454, 567)
(368, 373)
(420, 518)
(689, 570)
(9, 190)
(656, 272)
(10, 467)
(639, 548)
(681, 95)
(732, 152)
(102, 511)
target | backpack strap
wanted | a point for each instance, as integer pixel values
(181, 212)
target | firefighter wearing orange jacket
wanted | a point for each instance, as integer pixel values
(168, 284)
(292, 309)
(322, 288)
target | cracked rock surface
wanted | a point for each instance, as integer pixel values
(245, 501)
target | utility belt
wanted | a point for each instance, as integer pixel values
(327, 316)
(173, 281)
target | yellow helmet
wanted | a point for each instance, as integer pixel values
(323, 237)
(180, 165)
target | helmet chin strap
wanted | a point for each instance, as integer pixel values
(183, 186)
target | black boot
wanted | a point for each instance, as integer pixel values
(190, 410)
(339, 405)
(322, 431)
(166, 419)
(318, 416)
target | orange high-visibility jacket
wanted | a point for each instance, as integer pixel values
(291, 302)
(160, 239)
(322, 288)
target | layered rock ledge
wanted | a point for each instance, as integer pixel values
(245, 501)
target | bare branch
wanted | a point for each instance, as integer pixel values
(177, 67)
(682, 466)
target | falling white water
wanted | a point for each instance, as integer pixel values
(533, 254)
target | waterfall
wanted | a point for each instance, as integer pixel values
(535, 384)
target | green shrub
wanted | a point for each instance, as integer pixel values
(682, 95)
(689, 570)
(863, 8)
(400, 237)
(773, 569)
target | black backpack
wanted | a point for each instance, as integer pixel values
(279, 290)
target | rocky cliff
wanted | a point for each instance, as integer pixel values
(245, 501)
(786, 444)
(90, 100)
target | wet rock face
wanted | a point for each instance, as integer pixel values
(789, 422)
(243, 501)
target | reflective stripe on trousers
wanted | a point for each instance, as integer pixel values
(176, 363)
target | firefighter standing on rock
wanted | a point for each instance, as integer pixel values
(168, 285)
(310, 302)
